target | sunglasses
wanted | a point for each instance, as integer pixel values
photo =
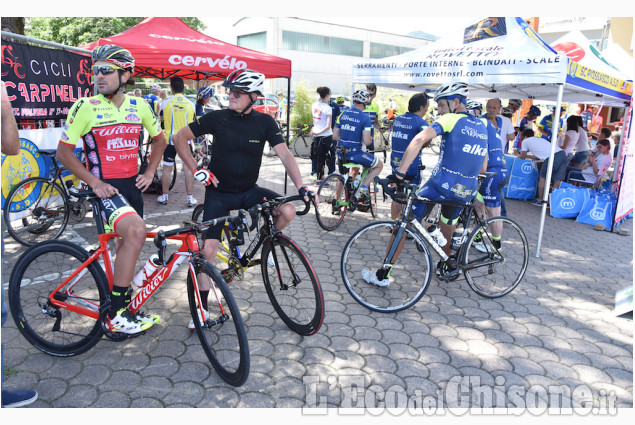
(236, 93)
(104, 69)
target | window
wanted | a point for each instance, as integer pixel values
(378, 50)
(321, 44)
(256, 41)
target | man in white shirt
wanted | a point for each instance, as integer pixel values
(541, 150)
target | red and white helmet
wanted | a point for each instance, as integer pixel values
(246, 80)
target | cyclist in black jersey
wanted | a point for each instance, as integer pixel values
(239, 134)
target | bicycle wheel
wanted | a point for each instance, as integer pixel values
(222, 334)
(38, 281)
(333, 203)
(502, 269)
(301, 146)
(36, 210)
(292, 286)
(159, 173)
(410, 275)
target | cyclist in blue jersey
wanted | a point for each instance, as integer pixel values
(546, 124)
(202, 98)
(352, 131)
(153, 98)
(464, 141)
(404, 129)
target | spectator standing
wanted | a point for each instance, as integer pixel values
(525, 123)
(515, 105)
(322, 132)
(504, 129)
(586, 116)
(10, 146)
(596, 121)
(177, 113)
(330, 159)
(282, 107)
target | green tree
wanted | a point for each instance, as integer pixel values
(77, 31)
(301, 113)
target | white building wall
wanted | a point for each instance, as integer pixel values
(318, 69)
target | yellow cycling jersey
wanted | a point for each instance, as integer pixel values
(177, 113)
(111, 134)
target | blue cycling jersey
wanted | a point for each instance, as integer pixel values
(495, 155)
(352, 124)
(153, 101)
(547, 124)
(404, 129)
(464, 141)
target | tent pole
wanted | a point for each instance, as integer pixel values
(555, 125)
(286, 176)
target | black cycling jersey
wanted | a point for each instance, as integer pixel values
(239, 141)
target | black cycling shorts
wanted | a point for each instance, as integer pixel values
(130, 192)
(219, 204)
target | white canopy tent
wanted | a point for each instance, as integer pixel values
(498, 57)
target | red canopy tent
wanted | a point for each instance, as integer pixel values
(164, 47)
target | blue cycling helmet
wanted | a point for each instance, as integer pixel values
(205, 92)
(534, 110)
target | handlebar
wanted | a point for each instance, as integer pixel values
(272, 203)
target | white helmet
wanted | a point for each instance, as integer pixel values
(361, 96)
(155, 87)
(507, 111)
(474, 104)
(246, 80)
(515, 102)
(451, 90)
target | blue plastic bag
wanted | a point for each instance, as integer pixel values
(598, 210)
(523, 178)
(567, 203)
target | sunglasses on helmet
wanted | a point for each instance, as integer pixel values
(104, 69)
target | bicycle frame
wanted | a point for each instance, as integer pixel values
(185, 251)
(468, 213)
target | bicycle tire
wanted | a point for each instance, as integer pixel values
(301, 147)
(159, 173)
(332, 195)
(293, 287)
(57, 331)
(496, 280)
(410, 275)
(36, 210)
(223, 335)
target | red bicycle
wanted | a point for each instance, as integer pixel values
(59, 295)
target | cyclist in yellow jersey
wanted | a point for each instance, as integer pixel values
(110, 124)
(177, 113)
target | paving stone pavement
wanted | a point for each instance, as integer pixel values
(556, 330)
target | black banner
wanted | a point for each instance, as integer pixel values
(43, 83)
